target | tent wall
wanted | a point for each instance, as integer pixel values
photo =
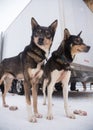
(18, 35)
(71, 14)
(78, 17)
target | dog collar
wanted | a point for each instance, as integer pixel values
(64, 59)
(37, 54)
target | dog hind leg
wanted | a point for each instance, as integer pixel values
(44, 90)
(7, 85)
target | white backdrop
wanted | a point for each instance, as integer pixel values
(72, 14)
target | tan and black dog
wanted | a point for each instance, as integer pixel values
(28, 65)
(57, 69)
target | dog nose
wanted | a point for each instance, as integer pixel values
(40, 41)
(87, 48)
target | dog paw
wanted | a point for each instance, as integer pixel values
(71, 115)
(32, 119)
(44, 103)
(13, 108)
(5, 105)
(80, 112)
(38, 115)
(49, 117)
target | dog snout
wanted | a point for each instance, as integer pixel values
(87, 48)
(40, 41)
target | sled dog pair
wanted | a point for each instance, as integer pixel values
(29, 65)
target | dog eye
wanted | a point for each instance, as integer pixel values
(38, 32)
(77, 41)
(47, 33)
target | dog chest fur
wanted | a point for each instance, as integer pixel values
(35, 72)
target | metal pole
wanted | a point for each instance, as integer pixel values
(1, 45)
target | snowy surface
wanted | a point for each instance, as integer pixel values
(17, 120)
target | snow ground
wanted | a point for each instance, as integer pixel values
(17, 120)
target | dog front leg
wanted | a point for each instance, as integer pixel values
(65, 94)
(31, 117)
(50, 91)
(34, 94)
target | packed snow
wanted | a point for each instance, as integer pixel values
(17, 120)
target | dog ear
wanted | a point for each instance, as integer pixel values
(53, 26)
(66, 34)
(79, 34)
(34, 23)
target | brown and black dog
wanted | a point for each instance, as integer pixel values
(28, 65)
(57, 69)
